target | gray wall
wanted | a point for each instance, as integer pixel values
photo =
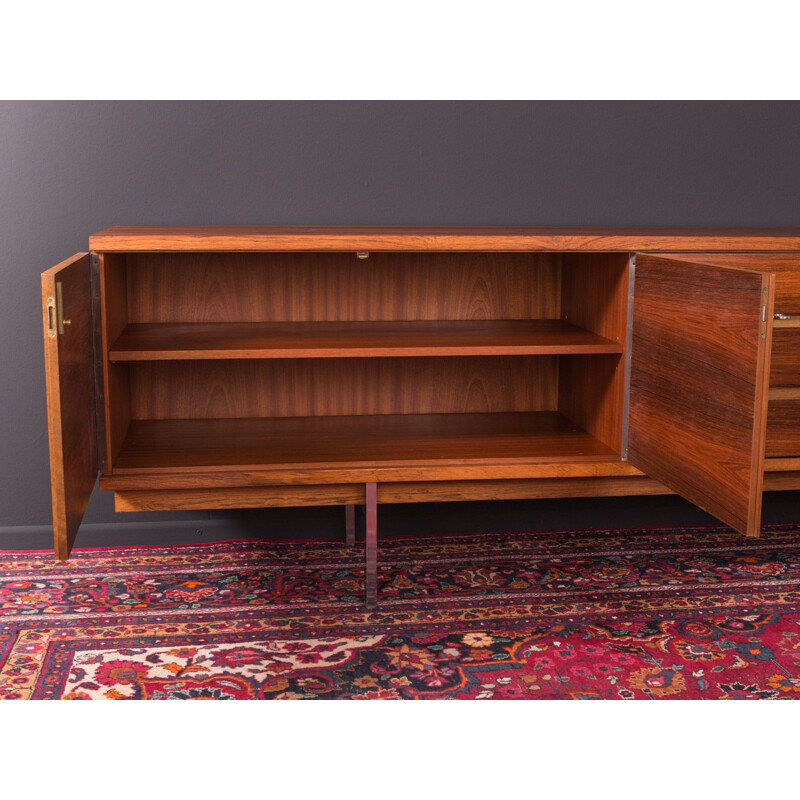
(68, 169)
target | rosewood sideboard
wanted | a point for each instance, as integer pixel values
(229, 367)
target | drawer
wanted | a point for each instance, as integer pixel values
(787, 285)
(786, 267)
(783, 428)
(785, 363)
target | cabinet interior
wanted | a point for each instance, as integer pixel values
(229, 360)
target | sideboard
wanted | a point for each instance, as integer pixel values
(230, 367)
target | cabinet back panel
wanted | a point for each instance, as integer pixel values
(333, 287)
(342, 386)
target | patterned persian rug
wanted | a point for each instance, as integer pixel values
(651, 614)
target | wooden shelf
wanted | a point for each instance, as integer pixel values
(381, 440)
(180, 341)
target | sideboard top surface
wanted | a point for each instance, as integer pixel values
(332, 238)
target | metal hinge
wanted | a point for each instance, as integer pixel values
(765, 294)
(55, 314)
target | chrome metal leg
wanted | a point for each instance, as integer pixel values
(350, 524)
(372, 546)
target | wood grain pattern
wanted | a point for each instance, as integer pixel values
(594, 296)
(254, 237)
(785, 267)
(450, 491)
(293, 476)
(591, 390)
(782, 481)
(594, 293)
(785, 362)
(71, 424)
(98, 390)
(237, 497)
(339, 287)
(171, 341)
(784, 393)
(698, 386)
(113, 319)
(342, 386)
(414, 439)
(418, 492)
(782, 464)
(783, 428)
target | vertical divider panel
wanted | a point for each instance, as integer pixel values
(99, 364)
(594, 295)
(114, 317)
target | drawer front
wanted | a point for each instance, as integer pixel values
(786, 267)
(787, 285)
(783, 428)
(785, 363)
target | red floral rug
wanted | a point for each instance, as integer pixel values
(657, 613)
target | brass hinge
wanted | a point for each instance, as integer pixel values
(55, 314)
(51, 317)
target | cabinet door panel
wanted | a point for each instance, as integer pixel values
(69, 371)
(786, 267)
(698, 383)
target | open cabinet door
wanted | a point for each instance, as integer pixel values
(69, 371)
(699, 382)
